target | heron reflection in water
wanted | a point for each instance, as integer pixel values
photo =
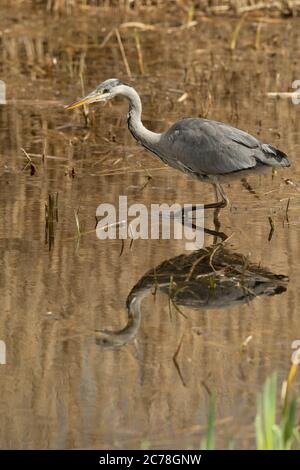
(210, 278)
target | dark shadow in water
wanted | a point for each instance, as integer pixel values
(211, 278)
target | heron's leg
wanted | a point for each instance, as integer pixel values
(217, 222)
(217, 206)
(217, 190)
(214, 205)
(225, 199)
(215, 233)
(186, 210)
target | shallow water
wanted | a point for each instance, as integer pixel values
(58, 388)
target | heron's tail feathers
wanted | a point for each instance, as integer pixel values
(274, 156)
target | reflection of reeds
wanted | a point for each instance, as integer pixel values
(272, 228)
(29, 163)
(287, 210)
(63, 6)
(51, 216)
(176, 364)
(29, 48)
(76, 215)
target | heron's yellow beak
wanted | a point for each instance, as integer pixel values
(91, 98)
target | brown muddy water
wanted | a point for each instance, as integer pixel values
(59, 389)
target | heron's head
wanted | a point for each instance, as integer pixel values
(104, 339)
(109, 340)
(103, 92)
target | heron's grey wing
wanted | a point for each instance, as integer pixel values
(264, 153)
(207, 147)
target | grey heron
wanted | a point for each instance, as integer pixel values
(207, 150)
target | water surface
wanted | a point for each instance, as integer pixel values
(59, 389)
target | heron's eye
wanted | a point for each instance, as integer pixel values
(106, 90)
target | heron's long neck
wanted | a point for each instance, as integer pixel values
(147, 138)
(134, 320)
(121, 337)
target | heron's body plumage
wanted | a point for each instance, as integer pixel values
(209, 148)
